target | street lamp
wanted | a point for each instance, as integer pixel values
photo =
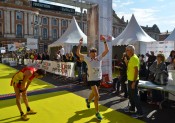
(36, 26)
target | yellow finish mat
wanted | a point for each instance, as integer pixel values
(60, 107)
(6, 73)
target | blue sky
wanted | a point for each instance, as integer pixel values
(147, 12)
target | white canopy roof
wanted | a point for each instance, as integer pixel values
(131, 34)
(171, 37)
(71, 36)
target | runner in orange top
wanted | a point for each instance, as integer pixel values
(21, 81)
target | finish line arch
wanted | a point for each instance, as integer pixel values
(99, 22)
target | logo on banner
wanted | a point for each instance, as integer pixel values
(64, 68)
(11, 47)
(46, 65)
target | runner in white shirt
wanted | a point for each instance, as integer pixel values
(94, 63)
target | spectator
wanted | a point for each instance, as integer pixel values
(71, 57)
(27, 56)
(151, 59)
(38, 56)
(143, 70)
(47, 56)
(157, 69)
(43, 56)
(172, 65)
(169, 60)
(62, 53)
(133, 79)
(58, 56)
(66, 58)
(122, 77)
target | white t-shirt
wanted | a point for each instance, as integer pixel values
(62, 51)
(94, 68)
(58, 57)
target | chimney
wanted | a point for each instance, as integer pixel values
(122, 18)
(167, 32)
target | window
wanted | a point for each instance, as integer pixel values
(45, 21)
(36, 32)
(54, 21)
(36, 18)
(62, 31)
(19, 30)
(120, 30)
(18, 2)
(64, 23)
(0, 14)
(54, 33)
(45, 36)
(19, 15)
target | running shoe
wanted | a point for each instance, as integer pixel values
(24, 117)
(31, 112)
(98, 116)
(87, 103)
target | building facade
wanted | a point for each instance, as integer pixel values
(152, 31)
(19, 21)
(118, 25)
(164, 35)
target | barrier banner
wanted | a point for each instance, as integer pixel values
(59, 68)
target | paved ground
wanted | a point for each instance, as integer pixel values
(152, 113)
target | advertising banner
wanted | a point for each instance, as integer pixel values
(164, 47)
(2, 50)
(11, 47)
(32, 43)
(59, 68)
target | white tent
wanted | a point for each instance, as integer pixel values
(70, 37)
(171, 37)
(132, 34)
